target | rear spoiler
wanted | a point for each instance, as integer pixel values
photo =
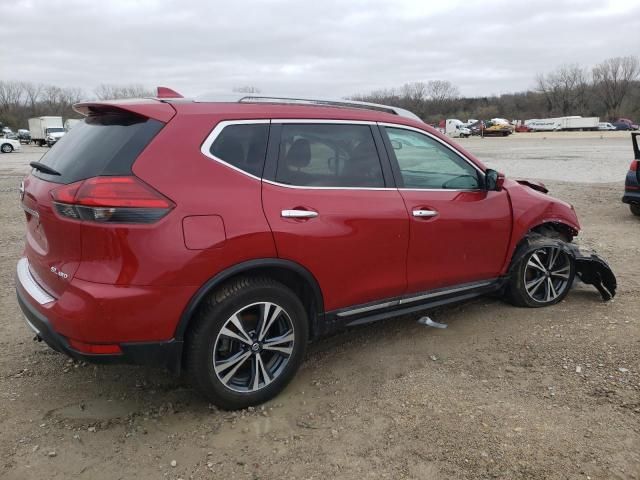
(146, 107)
(636, 150)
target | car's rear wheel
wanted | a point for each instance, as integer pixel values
(6, 148)
(248, 341)
(543, 275)
(635, 209)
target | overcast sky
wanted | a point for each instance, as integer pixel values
(322, 47)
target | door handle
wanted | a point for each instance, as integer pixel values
(298, 214)
(424, 213)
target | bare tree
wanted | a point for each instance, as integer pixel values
(565, 89)
(416, 91)
(441, 91)
(613, 80)
(111, 92)
(32, 93)
(11, 94)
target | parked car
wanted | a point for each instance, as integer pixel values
(622, 126)
(605, 126)
(219, 237)
(632, 182)
(476, 128)
(633, 125)
(8, 145)
(24, 136)
(522, 128)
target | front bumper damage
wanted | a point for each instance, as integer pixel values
(594, 270)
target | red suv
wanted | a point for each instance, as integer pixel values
(220, 237)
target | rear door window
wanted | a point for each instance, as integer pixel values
(328, 155)
(105, 144)
(243, 146)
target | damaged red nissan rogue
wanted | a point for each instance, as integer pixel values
(218, 236)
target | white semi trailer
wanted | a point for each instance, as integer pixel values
(46, 130)
(563, 123)
(455, 128)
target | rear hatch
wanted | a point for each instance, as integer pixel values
(104, 145)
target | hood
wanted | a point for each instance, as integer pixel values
(55, 134)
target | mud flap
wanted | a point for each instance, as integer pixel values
(593, 270)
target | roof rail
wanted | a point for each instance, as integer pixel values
(264, 98)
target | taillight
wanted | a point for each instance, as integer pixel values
(634, 166)
(111, 200)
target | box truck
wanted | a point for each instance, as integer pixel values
(46, 130)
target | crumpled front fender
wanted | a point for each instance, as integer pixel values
(594, 270)
(590, 268)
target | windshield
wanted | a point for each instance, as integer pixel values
(55, 130)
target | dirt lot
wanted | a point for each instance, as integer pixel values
(502, 393)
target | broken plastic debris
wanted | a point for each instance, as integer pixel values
(430, 323)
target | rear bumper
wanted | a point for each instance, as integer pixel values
(54, 323)
(155, 354)
(631, 197)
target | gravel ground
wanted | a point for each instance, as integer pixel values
(502, 393)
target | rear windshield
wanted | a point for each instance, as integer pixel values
(100, 145)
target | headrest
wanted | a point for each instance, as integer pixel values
(299, 155)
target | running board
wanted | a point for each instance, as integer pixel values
(415, 302)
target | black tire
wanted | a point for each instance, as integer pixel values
(529, 285)
(6, 148)
(245, 299)
(635, 209)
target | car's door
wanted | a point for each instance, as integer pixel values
(459, 231)
(332, 207)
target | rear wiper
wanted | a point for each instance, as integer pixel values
(44, 169)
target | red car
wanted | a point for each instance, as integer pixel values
(220, 237)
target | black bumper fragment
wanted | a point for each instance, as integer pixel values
(594, 270)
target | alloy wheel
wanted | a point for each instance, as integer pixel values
(547, 274)
(253, 347)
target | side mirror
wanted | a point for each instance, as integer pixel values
(493, 180)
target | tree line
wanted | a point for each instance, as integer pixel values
(20, 101)
(609, 90)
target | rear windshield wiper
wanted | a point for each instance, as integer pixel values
(44, 169)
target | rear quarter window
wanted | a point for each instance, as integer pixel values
(105, 144)
(243, 146)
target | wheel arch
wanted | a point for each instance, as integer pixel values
(550, 228)
(291, 274)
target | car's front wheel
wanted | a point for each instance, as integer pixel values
(248, 342)
(635, 209)
(6, 148)
(543, 275)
